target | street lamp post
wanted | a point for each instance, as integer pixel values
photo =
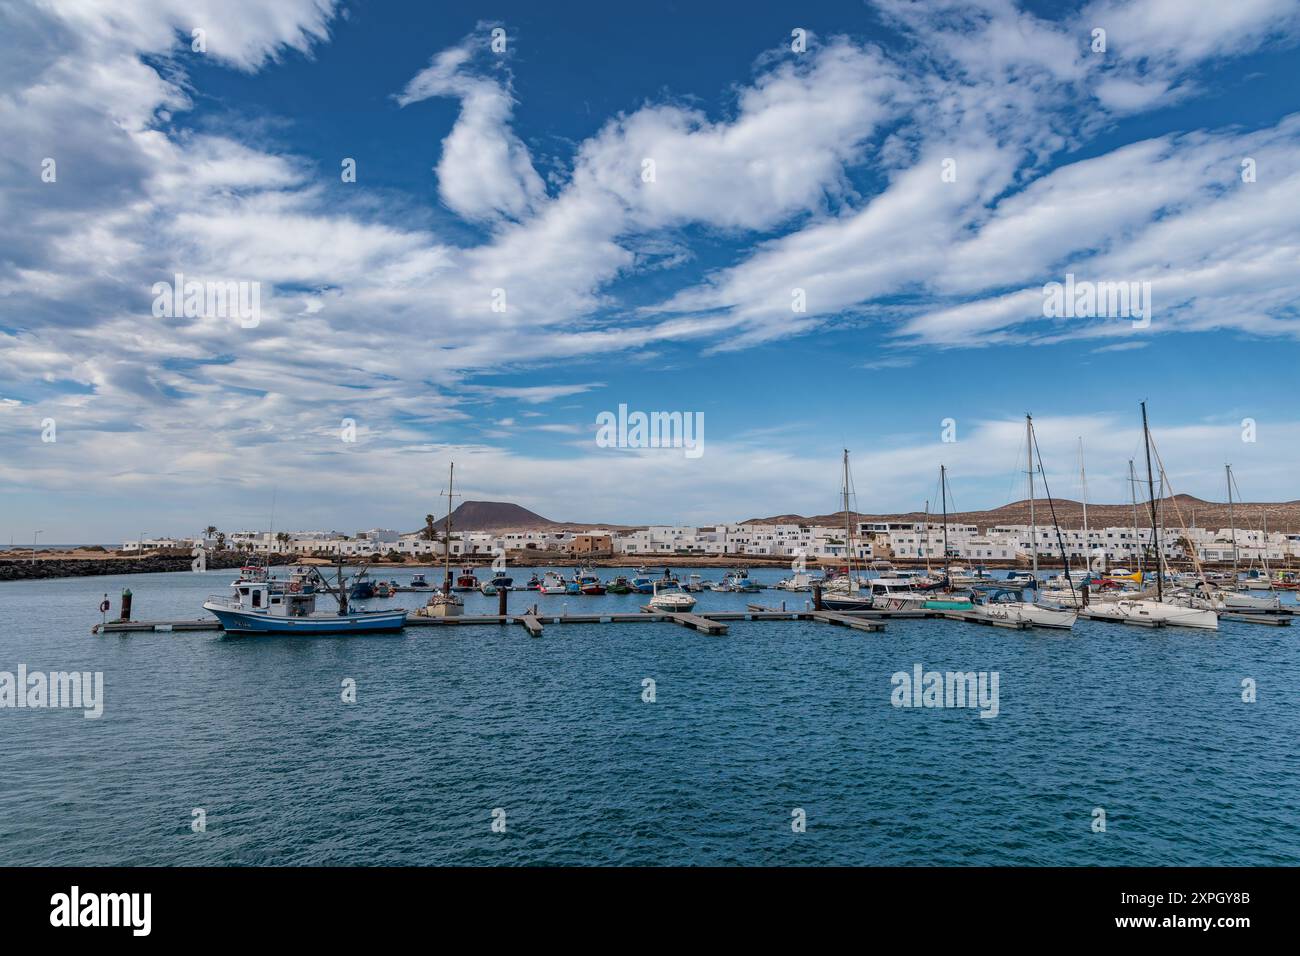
(35, 535)
(139, 544)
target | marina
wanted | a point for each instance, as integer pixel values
(808, 690)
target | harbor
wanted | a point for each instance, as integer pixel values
(485, 715)
(533, 610)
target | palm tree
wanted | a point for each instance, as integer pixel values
(221, 541)
(283, 538)
(210, 531)
(430, 532)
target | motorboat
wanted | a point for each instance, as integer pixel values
(467, 580)
(799, 581)
(643, 584)
(502, 581)
(926, 601)
(534, 583)
(257, 608)
(589, 583)
(619, 585)
(670, 597)
(487, 588)
(552, 583)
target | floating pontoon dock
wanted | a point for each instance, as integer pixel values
(708, 622)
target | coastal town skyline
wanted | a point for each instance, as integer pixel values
(309, 259)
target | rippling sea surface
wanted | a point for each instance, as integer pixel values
(452, 723)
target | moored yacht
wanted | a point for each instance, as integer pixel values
(670, 597)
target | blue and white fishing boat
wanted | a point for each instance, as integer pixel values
(258, 608)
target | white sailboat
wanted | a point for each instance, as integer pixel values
(846, 592)
(1141, 609)
(1002, 605)
(444, 603)
(1204, 595)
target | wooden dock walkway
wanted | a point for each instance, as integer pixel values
(533, 620)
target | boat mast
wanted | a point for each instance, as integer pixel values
(1029, 456)
(848, 519)
(943, 487)
(446, 543)
(1133, 496)
(1083, 484)
(1227, 469)
(1151, 486)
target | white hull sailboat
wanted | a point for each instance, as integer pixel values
(1024, 612)
(1151, 612)
(1232, 602)
(444, 603)
(844, 593)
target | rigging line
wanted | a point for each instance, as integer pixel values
(1169, 487)
(1065, 558)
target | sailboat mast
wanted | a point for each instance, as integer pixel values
(1151, 486)
(1029, 457)
(1083, 483)
(1227, 469)
(943, 486)
(446, 543)
(1133, 496)
(848, 519)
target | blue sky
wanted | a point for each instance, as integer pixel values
(521, 170)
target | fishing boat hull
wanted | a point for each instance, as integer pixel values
(317, 623)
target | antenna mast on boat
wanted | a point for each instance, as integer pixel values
(1151, 486)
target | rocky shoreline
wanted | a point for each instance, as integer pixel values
(27, 570)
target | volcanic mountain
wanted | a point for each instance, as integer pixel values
(507, 516)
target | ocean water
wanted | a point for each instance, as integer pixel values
(453, 723)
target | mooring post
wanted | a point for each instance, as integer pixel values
(501, 600)
(817, 597)
(126, 605)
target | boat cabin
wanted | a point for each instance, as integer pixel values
(260, 596)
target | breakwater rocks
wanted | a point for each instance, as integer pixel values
(16, 569)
